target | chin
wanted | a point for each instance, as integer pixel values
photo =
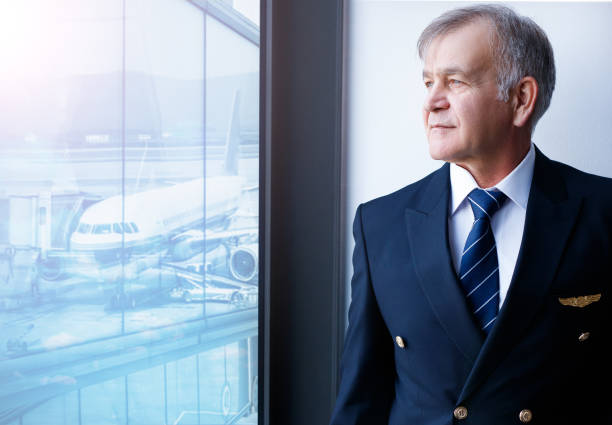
(446, 148)
(438, 150)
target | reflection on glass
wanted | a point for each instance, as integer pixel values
(99, 404)
(128, 213)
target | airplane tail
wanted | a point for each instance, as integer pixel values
(232, 141)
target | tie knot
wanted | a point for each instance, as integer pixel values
(485, 203)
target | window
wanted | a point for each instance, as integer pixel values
(128, 154)
(84, 228)
(101, 229)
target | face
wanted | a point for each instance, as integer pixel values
(464, 120)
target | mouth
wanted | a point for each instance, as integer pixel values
(440, 130)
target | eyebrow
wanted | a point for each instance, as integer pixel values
(452, 70)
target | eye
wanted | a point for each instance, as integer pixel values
(454, 83)
(428, 84)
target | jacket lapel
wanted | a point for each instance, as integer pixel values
(551, 214)
(427, 226)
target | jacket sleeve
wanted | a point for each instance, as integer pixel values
(367, 369)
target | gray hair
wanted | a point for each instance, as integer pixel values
(519, 48)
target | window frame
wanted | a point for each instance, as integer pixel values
(302, 292)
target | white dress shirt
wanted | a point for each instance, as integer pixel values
(508, 223)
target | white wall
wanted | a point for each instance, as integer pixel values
(386, 146)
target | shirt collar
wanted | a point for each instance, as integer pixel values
(515, 185)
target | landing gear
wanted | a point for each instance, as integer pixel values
(237, 299)
(122, 302)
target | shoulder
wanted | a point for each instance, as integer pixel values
(413, 196)
(581, 183)
(562, 182)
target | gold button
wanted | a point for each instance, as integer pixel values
(460, 412)
(525, 415)
(400, 342)
(584, 336)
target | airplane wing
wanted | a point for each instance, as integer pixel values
(212, 235)
(252, 188)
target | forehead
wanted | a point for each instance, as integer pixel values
(467, 48)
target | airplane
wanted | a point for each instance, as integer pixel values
(168, 221)
(156, 216)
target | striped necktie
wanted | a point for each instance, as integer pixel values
(479, 271)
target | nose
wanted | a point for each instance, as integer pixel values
(436, 98)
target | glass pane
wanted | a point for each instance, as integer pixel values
(247, 8)
(128, 213)
(232, 163)
(146, 397)
(182, 390)
(61, 410)
(164, 169)
(105, 403)
(224, 386)
(60, 139)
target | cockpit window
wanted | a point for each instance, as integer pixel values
(122, 227)
(84, 228)
(102, 229)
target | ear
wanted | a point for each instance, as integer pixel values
(525, 95)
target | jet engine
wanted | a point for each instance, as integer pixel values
(243, 262)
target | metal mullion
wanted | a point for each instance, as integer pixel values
(123, 137)
(265, 154)
(229, 17)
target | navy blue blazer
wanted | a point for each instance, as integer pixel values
(545, 353)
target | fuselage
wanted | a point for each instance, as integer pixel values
(147, 221)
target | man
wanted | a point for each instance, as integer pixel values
(480, 293)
